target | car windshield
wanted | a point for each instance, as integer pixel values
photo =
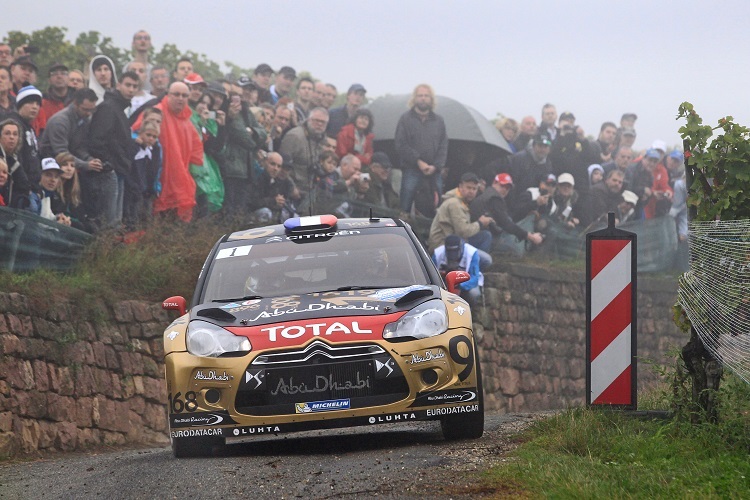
(380, 258)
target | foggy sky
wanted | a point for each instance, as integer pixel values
(596, 59)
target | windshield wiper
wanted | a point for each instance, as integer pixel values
(246, 297)
(354, 287)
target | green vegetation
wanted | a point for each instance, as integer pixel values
(596, 453)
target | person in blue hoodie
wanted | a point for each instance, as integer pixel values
(457, 255)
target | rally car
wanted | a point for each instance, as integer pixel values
(319, 323)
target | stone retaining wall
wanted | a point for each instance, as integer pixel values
(71, 380)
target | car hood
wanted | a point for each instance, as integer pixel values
(264, 311)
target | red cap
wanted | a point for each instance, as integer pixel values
(193, 78)
(504, 179)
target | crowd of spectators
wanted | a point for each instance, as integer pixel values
(111, 148)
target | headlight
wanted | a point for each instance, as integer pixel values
(208, 340)
(425, 320)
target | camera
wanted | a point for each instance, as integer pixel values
(364, 177)
(107, 166)
(543, 192)
(212, 115)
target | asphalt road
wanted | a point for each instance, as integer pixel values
(407, 460)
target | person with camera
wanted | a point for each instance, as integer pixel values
(274, 202)
(536, 200)
(457, 255)
(492, 204)
(571, 153)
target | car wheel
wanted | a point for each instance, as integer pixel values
(195, 447)
(467, 425)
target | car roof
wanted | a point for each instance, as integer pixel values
(341, 225)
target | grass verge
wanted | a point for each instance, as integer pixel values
(596, 453)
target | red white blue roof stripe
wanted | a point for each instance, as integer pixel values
(312, 221)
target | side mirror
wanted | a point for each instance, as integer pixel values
(455, 278)
(176, 303)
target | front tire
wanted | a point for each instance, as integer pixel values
(469, 425)
(195, 447)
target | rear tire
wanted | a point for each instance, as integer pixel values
(467, 425)
(195, 447)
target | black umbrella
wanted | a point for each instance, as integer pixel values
(473, 139)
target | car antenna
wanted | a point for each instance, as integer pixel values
(373, 219)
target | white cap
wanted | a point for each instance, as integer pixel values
(630, 197)
(50, 164)
(566, 178)
(659, 144)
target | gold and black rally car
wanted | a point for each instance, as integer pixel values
(319, 323)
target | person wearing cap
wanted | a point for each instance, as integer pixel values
(650, 182)
(528, 166)
(537, 200)
(68, 131)
(625, 137)
(196, 87)
(51, 205)
(626, 208)
(453, 216)
(110, 140)
(58, 93)
(571, 153)
(675, 164)
(596, 174)
(492, 203)
(141, 47)
(628, 120)
(262, 79)
(381, 190)
(23, 71)
(660, 147)
(457, 255)
(605, 197)
(283, 83)
(421, 143)
(28, 106)
(247, 89)
(342, 115)
(102, 76)
(567, 209)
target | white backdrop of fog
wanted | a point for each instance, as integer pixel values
(596, 59)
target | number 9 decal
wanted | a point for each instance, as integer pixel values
(459, 358)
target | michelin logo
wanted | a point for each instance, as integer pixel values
(317, 406)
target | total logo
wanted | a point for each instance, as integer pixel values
(314, 329)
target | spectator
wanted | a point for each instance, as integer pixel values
(549, 117)
(527, 131)
(643, 181)
(491, 205)
(17, 189)
(596, 174)
(181, 146)
(248, 91)
(606, 197)
(567, 209)
(508, 128)
(23, 73)
(159, 80)
(302, 104)
(196, 88)
(244, 138)
(283, 84)
(28, 105)
(678, 212)
(660, 147)
(183, 68)
(110, 141)
(530, 165)
(604, 145)
(342, 115)
(274, 201)
(140, 183)
(330, 95)
(212, 131)
(570, 153)
(51, 205)
(328, 179)
(7, 101)
(457, 255)
(356, 137)
(219, 96)
(536, 200)
(6, 55)
(262, 79)
(625, 137)
(381, 190)
(622, 161)
(303, 144)
(422, 146)
(626, 208)
(102, 76)
(660, 201)
(68, 131)
(142, 96)
(69, 191)
(76, 80)
(675, 164)
(453, 217)
(318, 97)
(141, 47)
(628, 120)
(282, 123)
(58, 94)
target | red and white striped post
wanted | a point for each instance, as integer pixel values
(611, 320)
